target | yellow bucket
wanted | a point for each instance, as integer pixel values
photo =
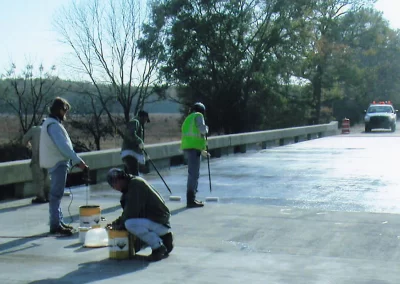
(120, 244)
(90, 216)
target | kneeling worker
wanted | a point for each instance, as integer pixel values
(145, 214)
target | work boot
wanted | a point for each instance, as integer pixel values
(39, 200)
(158, 253)
(61, 231)
(168, 241)
(65, 226)
(191, 201)
(194, 204)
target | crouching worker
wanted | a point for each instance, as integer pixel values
(144, 215)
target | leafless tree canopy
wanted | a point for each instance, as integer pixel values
(29, 93)
(104, 38)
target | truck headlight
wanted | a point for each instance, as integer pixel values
(366, 118)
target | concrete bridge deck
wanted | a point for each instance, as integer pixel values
(321, 211)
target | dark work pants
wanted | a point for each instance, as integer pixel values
(131, 165)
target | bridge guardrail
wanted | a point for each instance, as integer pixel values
(18, 174)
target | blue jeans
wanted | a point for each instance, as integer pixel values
(147, 231)
(58, 177)
(193, 160)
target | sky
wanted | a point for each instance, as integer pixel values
(27, 33)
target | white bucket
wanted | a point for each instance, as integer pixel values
(82, 233)
(96, 238)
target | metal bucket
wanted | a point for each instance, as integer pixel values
(120, 244)
(90, 216)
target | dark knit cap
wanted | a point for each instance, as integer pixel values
(144, 114)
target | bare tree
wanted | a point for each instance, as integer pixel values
(29, 94)
(88, 117)
(104, 37)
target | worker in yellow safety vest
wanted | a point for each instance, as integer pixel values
(193, 143)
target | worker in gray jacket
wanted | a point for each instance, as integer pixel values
(58, 156)
(40, 176)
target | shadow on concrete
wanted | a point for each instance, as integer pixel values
(90, 272)
(85, 249)
(32, 245)
(14, 208)
(18, 241)
(179, 210)
(21, 240)
(76, 245)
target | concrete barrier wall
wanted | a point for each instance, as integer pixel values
(164, 155)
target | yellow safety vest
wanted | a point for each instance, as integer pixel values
(191, 136)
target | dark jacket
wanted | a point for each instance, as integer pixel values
(133, 136)
(141, 200)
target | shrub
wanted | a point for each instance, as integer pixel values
(14, 151)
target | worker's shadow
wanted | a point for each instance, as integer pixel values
(90, 272)
(178, 210)
(15, 208)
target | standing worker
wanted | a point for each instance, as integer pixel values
(58, 156)
(144, 214)
(133, 143)
(193, 143)
(40, 176)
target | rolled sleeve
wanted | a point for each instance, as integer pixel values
(203, 128)
(27, 137)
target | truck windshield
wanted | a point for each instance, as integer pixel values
(373, 109)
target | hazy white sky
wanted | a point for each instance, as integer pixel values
(27, 34)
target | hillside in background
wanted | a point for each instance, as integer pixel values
(80, 102)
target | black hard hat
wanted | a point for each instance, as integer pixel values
(114, 174)
(199, 107)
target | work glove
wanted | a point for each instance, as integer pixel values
(205, 154)
(141, 146)
(116, 225)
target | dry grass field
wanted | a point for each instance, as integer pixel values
(162, 128)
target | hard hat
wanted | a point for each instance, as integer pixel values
(199, 107)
